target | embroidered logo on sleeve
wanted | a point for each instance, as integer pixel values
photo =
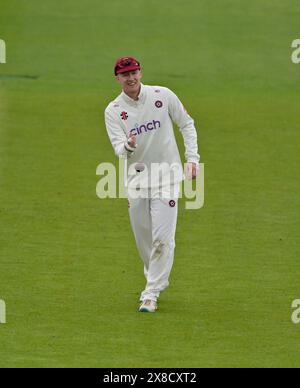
(158, 104)
(172, 203)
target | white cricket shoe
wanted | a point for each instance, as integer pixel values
(148, 306)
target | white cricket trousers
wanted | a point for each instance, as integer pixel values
(153, 222)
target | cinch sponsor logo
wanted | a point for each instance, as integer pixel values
(145, 127)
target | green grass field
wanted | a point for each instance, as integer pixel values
(69, 270)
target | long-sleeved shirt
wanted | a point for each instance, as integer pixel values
(150, 119)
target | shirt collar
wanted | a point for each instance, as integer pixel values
(142, 96)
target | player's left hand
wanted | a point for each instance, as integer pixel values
(192, 170)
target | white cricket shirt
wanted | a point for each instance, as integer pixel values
(150, 119)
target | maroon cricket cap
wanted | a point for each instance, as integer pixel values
(125, 64)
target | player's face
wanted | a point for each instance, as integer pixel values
(130, 81)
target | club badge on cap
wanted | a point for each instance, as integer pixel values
(125, 64)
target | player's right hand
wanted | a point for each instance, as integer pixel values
(132, 141)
